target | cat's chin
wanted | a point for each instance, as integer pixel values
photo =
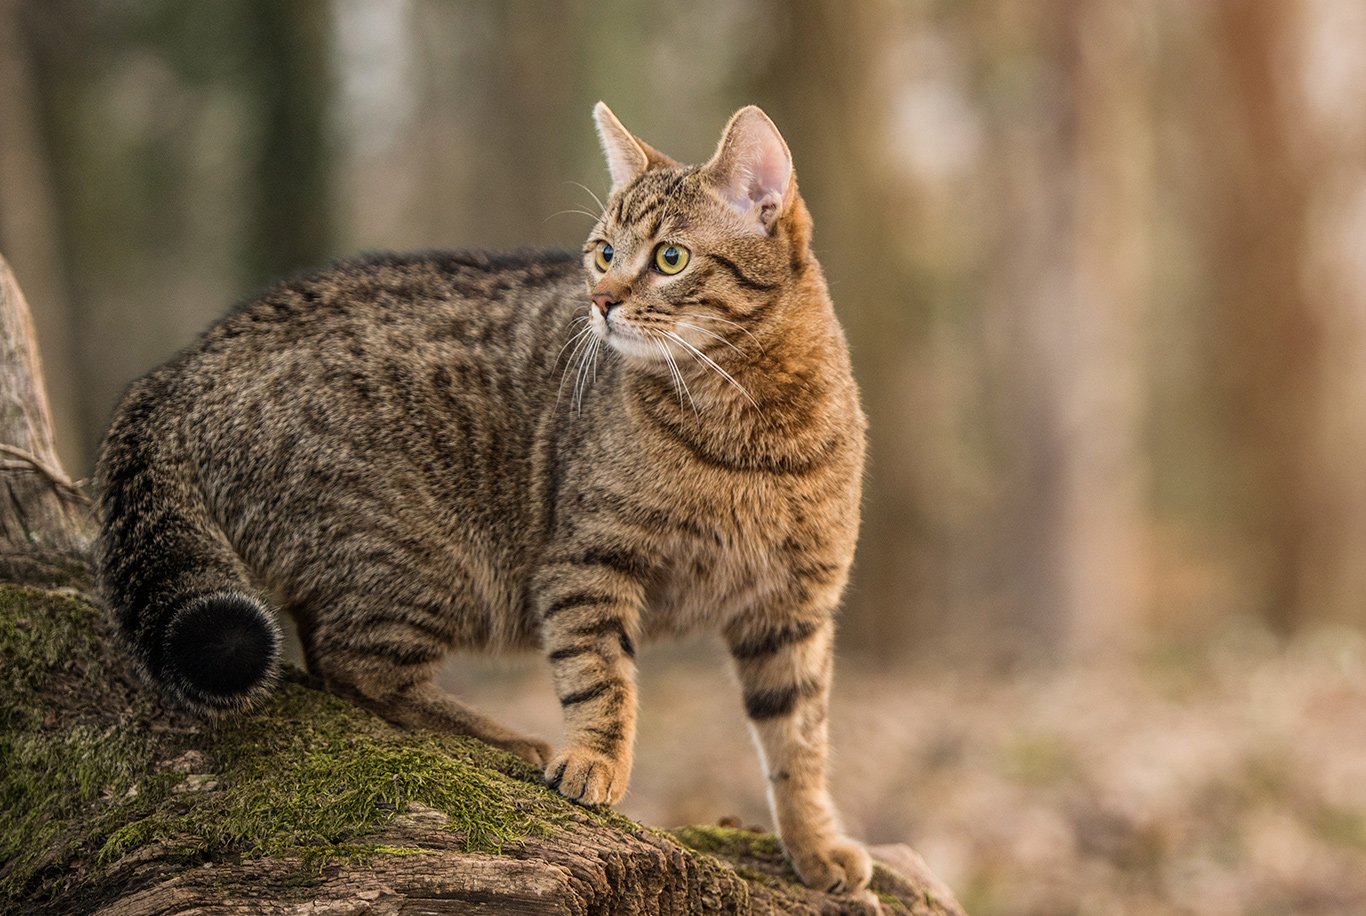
(631, 344)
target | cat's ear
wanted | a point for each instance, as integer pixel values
(752, 169)
(627, 155)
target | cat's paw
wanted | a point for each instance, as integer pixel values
(588, 777)
(839, 866)
(531, 750)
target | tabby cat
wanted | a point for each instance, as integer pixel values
(416, 453)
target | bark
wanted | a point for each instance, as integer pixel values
(112, 803)
(44, 526)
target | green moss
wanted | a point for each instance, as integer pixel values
(895, 905)
(311, 775)
(41, 633)
(308, 775)
(59, 786)
(730, 842)
(59, 791)
(757, 859)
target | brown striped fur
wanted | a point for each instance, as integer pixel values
(413, 454)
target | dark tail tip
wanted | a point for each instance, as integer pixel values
(222, 652)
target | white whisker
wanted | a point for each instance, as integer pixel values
(591, 374)
(712, 363)
(578, 378)
(593, 216)
(693, 327)
(681, 381)
(596, 199)
(735, 324)
(663, 351)
(680, 385)
(577, 334)
(576, 339)
(582, 382)
(583, 337)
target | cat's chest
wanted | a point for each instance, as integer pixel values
(719, 564)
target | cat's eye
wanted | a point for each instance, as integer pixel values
(670, 259)
(602, 256)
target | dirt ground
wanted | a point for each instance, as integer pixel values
(1224, 778)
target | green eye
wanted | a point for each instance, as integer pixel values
(602, 256)
(670, 259)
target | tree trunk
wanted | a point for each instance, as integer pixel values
(44, 527)
(1270, 338)
(112, 803)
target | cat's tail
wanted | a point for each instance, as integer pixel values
(176, 587)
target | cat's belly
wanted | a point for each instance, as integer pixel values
(705, 588)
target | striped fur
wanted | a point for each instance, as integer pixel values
(413, 454)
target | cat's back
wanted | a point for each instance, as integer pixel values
(363, 340)
(444, 298)
(411, 380)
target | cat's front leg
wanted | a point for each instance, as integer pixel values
(589, 609)
(785, 668)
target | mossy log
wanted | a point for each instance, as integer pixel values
(112, 802)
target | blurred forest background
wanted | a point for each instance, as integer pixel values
(1103, 268)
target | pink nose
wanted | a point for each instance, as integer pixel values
(604, 301)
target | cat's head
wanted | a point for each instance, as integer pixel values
(687, 258)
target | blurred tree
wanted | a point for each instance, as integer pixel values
(1267, 339)
(1067, 84)
(159, 120)
(285, 67)
(1329, 105)
(29, 224)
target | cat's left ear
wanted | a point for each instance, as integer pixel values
(752, 169)
(628, 156)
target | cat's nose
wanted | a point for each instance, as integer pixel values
(604, 301)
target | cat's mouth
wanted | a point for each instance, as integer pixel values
(627, 339)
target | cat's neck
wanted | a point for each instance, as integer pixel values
(772, 400)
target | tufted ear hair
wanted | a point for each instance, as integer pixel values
(752, 169)
(628, 156)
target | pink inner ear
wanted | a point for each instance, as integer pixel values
(772, 170)
(756, 166)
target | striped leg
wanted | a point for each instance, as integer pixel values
(785, 670)
(394, 680)
(589, 610)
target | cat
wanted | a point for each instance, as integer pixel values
(415, 453)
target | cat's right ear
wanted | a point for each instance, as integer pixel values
(752, 169)
(628, 156)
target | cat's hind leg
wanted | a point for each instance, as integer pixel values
(394, 679)
(424, 705)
